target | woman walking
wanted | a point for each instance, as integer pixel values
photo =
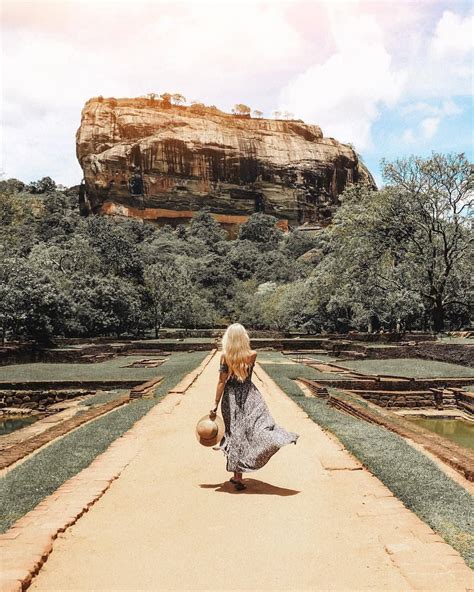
(251, 436)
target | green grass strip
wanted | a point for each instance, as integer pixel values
(25, 486)
(409, 367)
(113, 369)
(411, 476)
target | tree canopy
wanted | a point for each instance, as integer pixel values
(396, 258)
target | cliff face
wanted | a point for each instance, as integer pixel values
(148, 160)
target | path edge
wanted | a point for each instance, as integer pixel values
(26, 545)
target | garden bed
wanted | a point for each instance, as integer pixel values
(413, 477)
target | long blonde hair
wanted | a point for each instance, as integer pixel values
(236, 350)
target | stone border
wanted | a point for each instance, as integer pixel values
(27, 544)
(16, 452)
(450, 453)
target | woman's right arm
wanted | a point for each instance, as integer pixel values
(223, 375)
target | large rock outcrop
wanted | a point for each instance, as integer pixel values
(150, 160)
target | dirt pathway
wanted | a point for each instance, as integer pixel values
(311, 519)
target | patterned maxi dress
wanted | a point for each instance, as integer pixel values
(251, 435)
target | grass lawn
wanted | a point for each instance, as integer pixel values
(409, 367)
(414, 478)
(457, 340)
(293, 371)
(40, 475)
(316, 357)
(103, 397)
(107, 370)
(378, 345)
(179, 339)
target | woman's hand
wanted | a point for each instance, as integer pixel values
(213, 412)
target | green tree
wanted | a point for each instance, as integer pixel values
(205, 228)
(32, 303)
(44, 185)
(432, 200)
(165, 284)
(178, 99)
(118, 254)
(241, 109)
(104, 306)
(260, 228)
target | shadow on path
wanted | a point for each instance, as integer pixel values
(253, 486)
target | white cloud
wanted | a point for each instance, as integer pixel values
(344, 93)
(434, 115)
(454, 34)
(426, 130)
(408, 137)
(56, 56)
(429, 126)
(447, 107)
(337, 66)
(444, 66)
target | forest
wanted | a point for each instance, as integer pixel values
(394, 259)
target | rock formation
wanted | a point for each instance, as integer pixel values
(160, 162)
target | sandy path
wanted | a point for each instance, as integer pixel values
(311, 519)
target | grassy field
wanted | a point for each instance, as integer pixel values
(103, 397)
(109, 370)
(414, 478)
(378, 345)
(292, 370)
(321, 357)
(409, 367)
(26, 485)
(180, 339)
(457, 340)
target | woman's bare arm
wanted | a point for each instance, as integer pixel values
(223, 375)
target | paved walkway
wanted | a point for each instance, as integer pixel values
(311, 519)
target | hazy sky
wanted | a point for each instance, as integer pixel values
(394, 78)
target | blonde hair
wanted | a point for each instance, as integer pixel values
(236, 350)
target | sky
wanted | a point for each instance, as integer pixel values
(393, 78)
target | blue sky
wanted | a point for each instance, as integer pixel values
(394, 78)
(392, 138)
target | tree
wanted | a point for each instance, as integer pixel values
(197, 107)
(393, 254)
(67, 258)
(274, 265)
(260, 228)
(42, 186)
(204, 227)
(298, 243)
(32, 304)
(258, 114)
(178, 99)
(241, 109)
(243, 255)
(104, 306)
(432, 200)
(12, 185)
(118, 254)
(163, 285)
(166, 99)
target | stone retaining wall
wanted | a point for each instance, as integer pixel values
(38, 399)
